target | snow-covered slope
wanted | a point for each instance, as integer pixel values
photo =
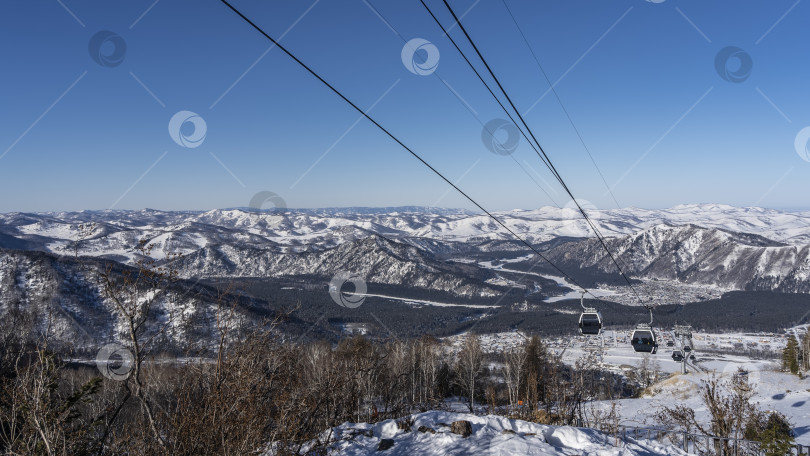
(42, 292)
(376, 259)
(491, 436)
(773, 390)
(695, 255)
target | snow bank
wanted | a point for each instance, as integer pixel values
(492, 435)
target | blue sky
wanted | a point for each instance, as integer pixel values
(638, 78)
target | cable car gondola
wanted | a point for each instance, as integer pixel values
(677, 356)
(644, 339)
(590, 320)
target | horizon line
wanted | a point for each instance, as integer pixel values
(408, 207)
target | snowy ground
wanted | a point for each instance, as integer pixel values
(717, 355)
(774, 390)
(422, 302)
(666, 291)
(491, 435)
(614, 350)
(785, 393)
(561, 281)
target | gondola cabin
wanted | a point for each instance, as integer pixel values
(644, 340)
(677, 356)
(590, 322)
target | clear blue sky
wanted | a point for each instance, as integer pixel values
(633, 74)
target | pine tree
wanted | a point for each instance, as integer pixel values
(806, 350)
(536, 371)
(790, 358)
(773, 431)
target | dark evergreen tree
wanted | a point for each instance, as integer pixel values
(773, 431)
(790, 356)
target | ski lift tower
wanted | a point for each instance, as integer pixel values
(684, 333)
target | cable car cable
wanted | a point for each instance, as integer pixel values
(390, 135)
(562, 105)
(547, 160)
(542, 156)
(467, 107)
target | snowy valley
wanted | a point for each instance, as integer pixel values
(739, 276)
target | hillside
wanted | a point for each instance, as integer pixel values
(696, 255)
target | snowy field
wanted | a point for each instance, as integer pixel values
(666, 291)
(422, 302)
(784, 393)
(716, 355)
(711, 350)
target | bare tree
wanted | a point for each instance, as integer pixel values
(513, 373)
(85, 231)
(729, 406)
(605, 420)
(428, 364)
(135, 295)
(39, 414)
(468, 367)
(647, 372)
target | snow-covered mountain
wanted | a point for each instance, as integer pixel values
(322, 228)
(49, 262)
(374, 258)
(60, 295)
(730, 247)
(696, 255)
